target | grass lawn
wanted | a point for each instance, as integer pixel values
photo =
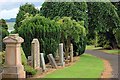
(92, 47)
(116, 51)
(86, 67)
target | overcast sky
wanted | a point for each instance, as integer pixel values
(10, 8)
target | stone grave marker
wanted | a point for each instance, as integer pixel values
(13, 65)
(35, 51)
(71, 53)
(61, 55)
(52, 60)
(42, 62)
(29, 60)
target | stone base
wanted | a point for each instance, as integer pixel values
(13, 72)
(61, 64)
(13, 75)
(67, 61)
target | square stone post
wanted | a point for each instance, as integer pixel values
(60, 51)
(35, 52)
(71, 53)
(13, 67)
(42, 62)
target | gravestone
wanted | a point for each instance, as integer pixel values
(30, 60)
(71, 53)
(61, 55)
(52, 60)
(0, 76)
(0, 58)
(13, 65)
(42, 62)
(35, 51)
(57, 56)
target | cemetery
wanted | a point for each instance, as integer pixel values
(62, 40)
(13, 62)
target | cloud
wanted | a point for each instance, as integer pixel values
(22, 0)
(11, 5)
(10, 9)
(12, 13)
(7, 14)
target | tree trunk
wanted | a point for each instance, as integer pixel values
(111, 37)
(67, 48)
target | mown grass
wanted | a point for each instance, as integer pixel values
(115, 51)
(92, 47)
(87, 66)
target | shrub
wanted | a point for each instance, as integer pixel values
(72, 32)
(29, 70)
(3, 33)
(45, 30)
(23, 57)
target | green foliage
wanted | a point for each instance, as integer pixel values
(72, 32)
(75, 10)
(87, 64)
(103, 42)
(29, 70)
(117, 36)
(103, 18)
(45, 30)
(23, 57)
(24, 11)
(117, 5)
(3, 24)
(2, 56)
(3, 33)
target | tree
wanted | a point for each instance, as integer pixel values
(23, 10)
(104, 19)
(3, 24)
(75, 10)
(45, 30)
(117, 5)
(3, 32)
(71, 31)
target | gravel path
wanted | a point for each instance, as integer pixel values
(113, 59)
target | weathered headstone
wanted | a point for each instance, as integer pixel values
(30, 60)
(0, 58)
(57, 56)
(0, 76)
(71, 53)
(13, 66)
(35, 51)
(42, 62)
(61, 54)
(52, 60)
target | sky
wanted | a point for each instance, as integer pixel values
(10, 8)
